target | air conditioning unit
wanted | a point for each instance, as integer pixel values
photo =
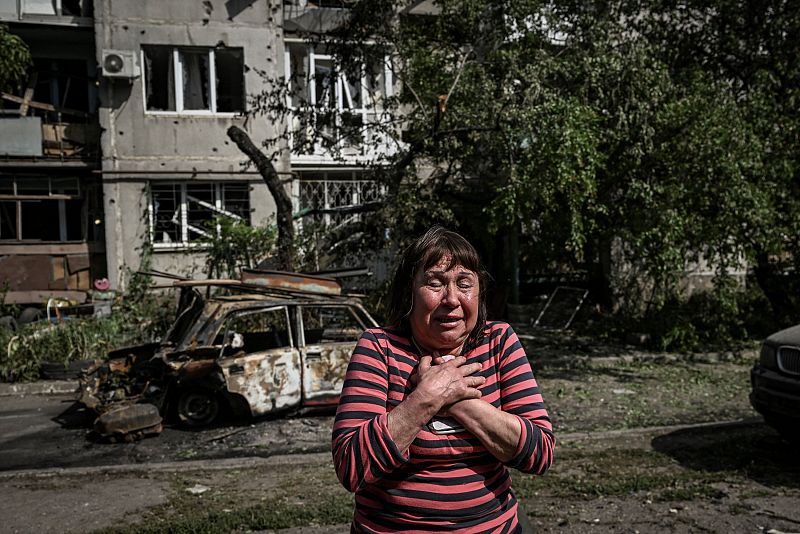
(120, 64)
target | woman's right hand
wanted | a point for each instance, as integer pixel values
(447, 382)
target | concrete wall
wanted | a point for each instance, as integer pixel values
(126, 210)
(138, 146)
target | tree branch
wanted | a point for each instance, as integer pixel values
(283, 203)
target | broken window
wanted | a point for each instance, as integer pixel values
(182, 214)
(65, 84)
(8, 219)
(194, 80)
(333, 108)
(41, 208)
(230, 80)
(328, 190)
(255, 331)
(323, 324)
(67, 8)
(159, 76)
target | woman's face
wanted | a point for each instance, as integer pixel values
(445, 307)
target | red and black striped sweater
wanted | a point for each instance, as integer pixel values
(445, 482)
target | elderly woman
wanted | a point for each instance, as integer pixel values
(436, 407)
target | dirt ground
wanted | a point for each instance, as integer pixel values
(647, 443)
(733, 477)
(714, 478)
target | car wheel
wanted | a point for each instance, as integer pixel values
(198, 407)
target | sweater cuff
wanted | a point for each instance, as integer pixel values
(525, 445)
(396, 457)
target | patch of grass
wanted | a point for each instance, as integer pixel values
(738, 508)
(689, 490)
(305, 495)
(272, 514)
(584, 474)
(631, 395)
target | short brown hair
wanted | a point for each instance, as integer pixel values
(425, 252)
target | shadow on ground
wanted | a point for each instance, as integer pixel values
(752, 450)
(75, 416)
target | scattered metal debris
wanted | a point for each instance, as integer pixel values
(561, 308)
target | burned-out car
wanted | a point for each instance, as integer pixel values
(276, 342)
(775, 381)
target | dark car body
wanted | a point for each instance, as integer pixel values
(256, 352)
(775, 381)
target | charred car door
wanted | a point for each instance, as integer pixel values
(260, 361)
(329, 335)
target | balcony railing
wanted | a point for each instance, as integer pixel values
(293, 9)
(34, 137)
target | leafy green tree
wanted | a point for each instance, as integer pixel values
(235, 245)
(609, 137)
(15, 60)
(651, 132)
(752, 50)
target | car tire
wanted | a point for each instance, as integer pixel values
(197, 407)
(8, 324)
(30, 315)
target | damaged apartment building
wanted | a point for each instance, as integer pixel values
(117, 143)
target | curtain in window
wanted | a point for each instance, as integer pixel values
(195, 80)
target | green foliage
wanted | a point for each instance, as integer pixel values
(621, 139)
(151, 312)
(720, 319)
(6, 308)
(74, 339)
(139, 316)
(22, 352)
(235, 245)
(15, 59)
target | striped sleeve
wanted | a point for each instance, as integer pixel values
(521, 397)
(363, 449)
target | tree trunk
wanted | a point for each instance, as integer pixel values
(599, 265)
(768, 277)
(283, 202)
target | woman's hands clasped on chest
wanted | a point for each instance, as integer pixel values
(446, 380)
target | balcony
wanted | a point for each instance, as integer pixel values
(33, 138)
(56, 12)
(54, 117)
(306, 16)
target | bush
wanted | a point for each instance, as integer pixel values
(22, 353)
(237, 245)
(718, 319)
(132, 322)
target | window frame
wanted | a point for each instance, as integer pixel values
(183, 210)
(177, 81)
(365, 108)
(61, 198)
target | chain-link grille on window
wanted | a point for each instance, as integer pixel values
(326, 193)
(328, 190)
